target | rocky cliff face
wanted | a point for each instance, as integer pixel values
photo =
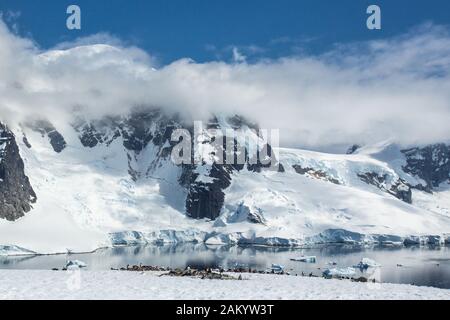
(430, 163)
(204, 182)
(317, 174)
(399, 189)
(45, 128)
(16, 193)
(205, 198)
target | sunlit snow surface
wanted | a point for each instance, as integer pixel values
(32, 284)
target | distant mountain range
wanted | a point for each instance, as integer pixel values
(85, 183)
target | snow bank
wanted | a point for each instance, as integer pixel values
(337, 236)
(22, 284)
(157, 237)
(127, 238)
(329, 236)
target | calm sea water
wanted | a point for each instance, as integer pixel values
(424, 266)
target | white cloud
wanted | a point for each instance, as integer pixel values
(397, 88)
(238, 56)
(11, 17)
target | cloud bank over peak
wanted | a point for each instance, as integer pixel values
(396, 89)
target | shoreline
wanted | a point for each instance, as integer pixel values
(243, 245)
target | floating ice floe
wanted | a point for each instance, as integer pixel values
(367, 263)
(308, 259)
(277, 268)
(339, 272)
(75, 264)
(241, 266)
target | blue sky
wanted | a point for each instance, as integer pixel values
(206, 30)
(395, 88)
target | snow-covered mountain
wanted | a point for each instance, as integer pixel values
(84, 183)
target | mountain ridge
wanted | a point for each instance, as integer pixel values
(113, 178)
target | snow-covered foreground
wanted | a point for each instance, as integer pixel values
(27, 284)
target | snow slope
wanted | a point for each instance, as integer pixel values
(87, 199)
(15, 284)
(85, 194)
(298, 206)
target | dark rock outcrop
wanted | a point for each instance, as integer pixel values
(246, 213)
(144, 126)
(137, 130)
(45, 128)
(26, 142)
(92, 133)
(256, 217)
(317, 174)
(399, 189)
(206, 194)
(16, 193)
(255, 164)
(353, 148)
(430, 163)
(205, 199)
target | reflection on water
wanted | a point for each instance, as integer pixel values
(428, 266)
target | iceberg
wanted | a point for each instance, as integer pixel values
(339, 272)
(308, 259)
(277, 268)
(367, 263)
(75, 264)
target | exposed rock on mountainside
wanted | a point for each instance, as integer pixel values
(205, 196)
(16, 193)
(115, 175)
(204, 182)
(317, 174)
(430, 163)
(45, 128)
(137, 129)
(353, 148)
(399, 189)
(246, 213)
(26, 142)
